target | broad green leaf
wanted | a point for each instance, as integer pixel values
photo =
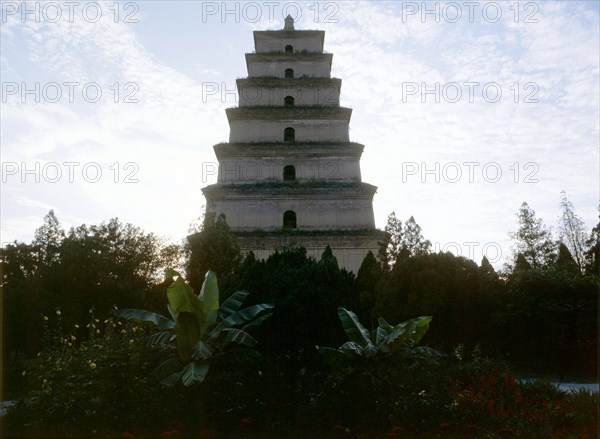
(160, 338)
(385, 325)
(188, 334)
(247, 314)
(201, 351)
(165, 369)
(173, 316)
(182, 299)
(194, 372)
(232, 304)
(257, 321)
(396, 338)
(141, 315)
(380, 335)
(419, 328)
(170, 274)
(355, 331)
(353, 347)
(209, 296)
(410, 331)
(235, 335)
(171, 380)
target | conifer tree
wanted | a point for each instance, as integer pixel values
(413, 239)
(572, 232)
(533, 239)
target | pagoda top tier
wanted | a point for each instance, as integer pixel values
(289, 40)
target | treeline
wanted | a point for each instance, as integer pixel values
(539, 313)
(87, 267)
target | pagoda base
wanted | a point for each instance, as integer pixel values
(349, 247)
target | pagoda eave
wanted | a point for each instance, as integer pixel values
(227, 150)
(295, 190)
(292, 114)
(275, 82)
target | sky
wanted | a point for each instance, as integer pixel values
(466, 109)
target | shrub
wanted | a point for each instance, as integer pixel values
(88, 379)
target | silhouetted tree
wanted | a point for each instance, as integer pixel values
(413, 241)
(533, 239)
(215, 248)
(521, 264)
(94, 266)
(487, 270)
(452, 289)
(592, 255)
(565, 260)
(548, 320)
(365, 285)
(389, 249)
(401, 242)
(572, 232)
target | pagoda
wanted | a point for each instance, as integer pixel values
(289, 174)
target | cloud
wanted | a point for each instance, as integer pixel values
(378, 50)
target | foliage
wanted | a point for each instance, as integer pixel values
(549, 317)
(460, 295)
(414, 242)
(389, 249)
(213, 247)
(365, 287)
(201, 328)
(89, 266)
(87, 380)
(565, 260)
(388, 339)
(306, 294)
(401, 242)
(571, 231)
(533, 239)
(592, 254)
(104, 383)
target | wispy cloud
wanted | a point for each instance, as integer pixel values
(378, 52)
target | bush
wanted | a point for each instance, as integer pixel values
(87, 380)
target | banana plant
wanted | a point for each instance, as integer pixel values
(388, 338)
(199, 326)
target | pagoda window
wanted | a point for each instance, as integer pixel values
(288, 101)
(289, 219)
(289, 73)
(289, 49)
(289, 173)
(289, 135)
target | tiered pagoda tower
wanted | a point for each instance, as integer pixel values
(289, 174)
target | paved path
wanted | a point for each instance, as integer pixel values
(592, 387)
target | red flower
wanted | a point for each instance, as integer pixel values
(246, 421)
(517, 396)
(444, 426)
